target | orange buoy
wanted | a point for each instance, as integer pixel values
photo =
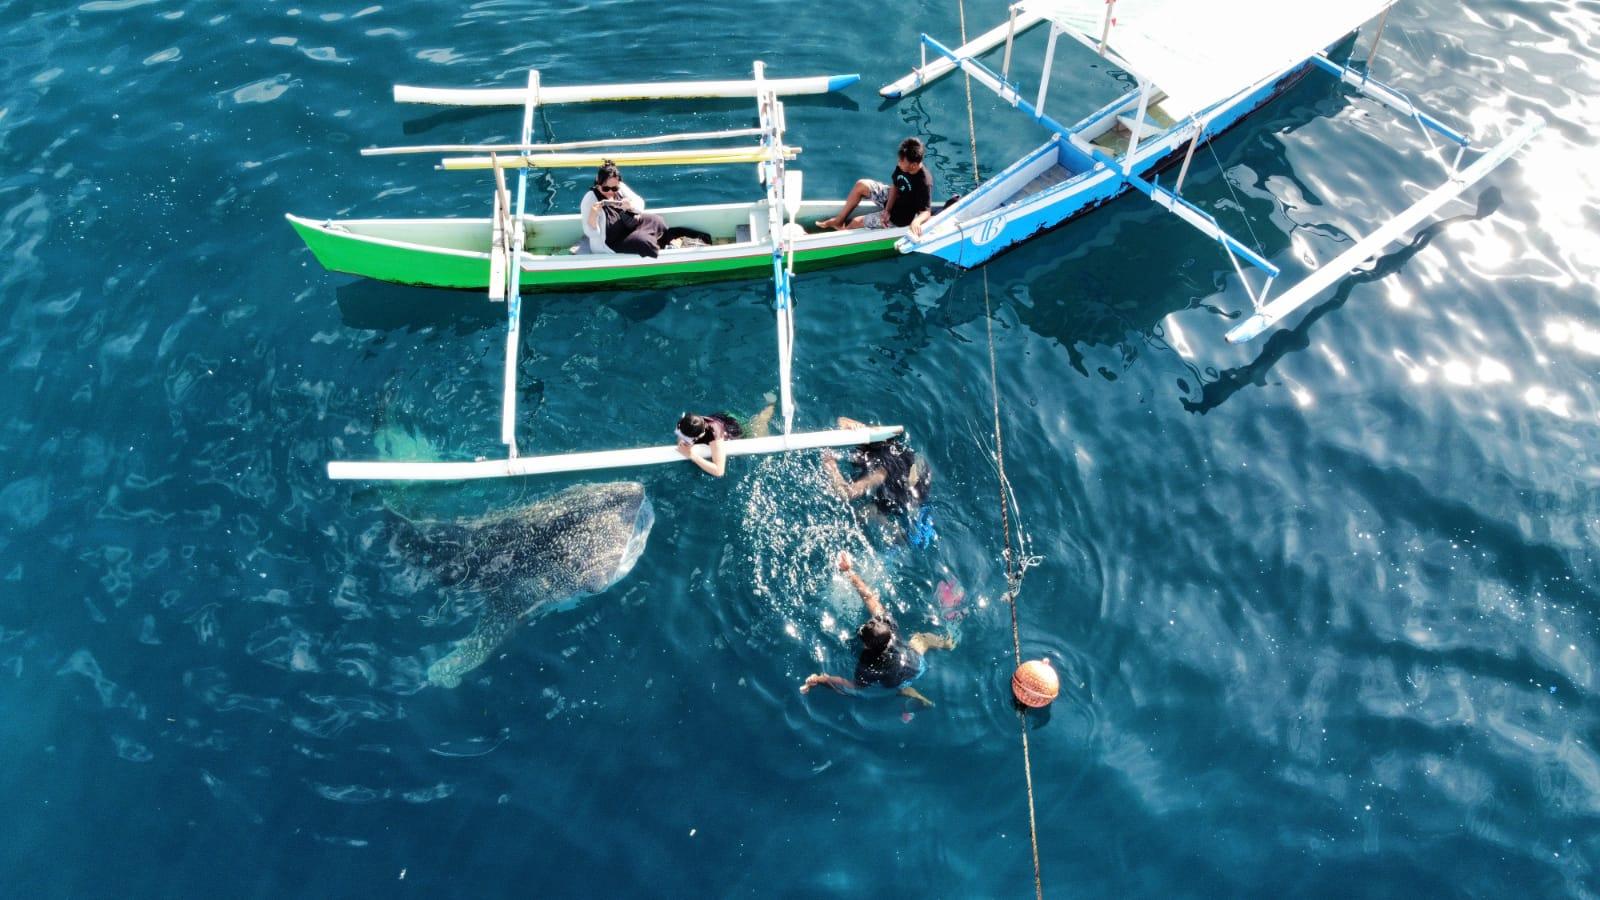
(1035, 684)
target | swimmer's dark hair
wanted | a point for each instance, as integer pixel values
(608, 171)
(911, 150)
(876, 633)
(693, 427)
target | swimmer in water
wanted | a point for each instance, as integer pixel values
(714, 429)
(886, 660)
(896, 479)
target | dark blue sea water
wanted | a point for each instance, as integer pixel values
(1325, 604)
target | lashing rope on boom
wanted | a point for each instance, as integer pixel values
(1016, 565)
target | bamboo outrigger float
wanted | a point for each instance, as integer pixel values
(1200, 68)
(507, 236)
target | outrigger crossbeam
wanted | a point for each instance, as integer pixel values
(606, 93)
(556, 463)
(783, 190)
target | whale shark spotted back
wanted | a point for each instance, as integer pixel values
(534, 559)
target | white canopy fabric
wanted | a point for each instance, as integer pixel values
(1202, 52)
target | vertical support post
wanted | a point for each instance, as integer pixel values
(1105, 30)
(1372, 53)
(500, 234)
(1011, 34)
(772, 173)
(517, 237)
(1193, 143)
(1044, 78)
(1138, 127)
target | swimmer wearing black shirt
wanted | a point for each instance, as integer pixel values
(886, 661)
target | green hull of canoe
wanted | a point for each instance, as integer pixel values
(409, 265)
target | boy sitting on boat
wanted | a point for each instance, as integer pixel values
(905, 202)
(614, 220)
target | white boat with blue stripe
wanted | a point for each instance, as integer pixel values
(1199, 68)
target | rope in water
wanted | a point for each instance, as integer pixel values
(1014, 567)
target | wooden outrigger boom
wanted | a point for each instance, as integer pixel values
(927, 73)
(557, 463)
(564, 145)
(508, 239)
(706, 157)
(605, 93)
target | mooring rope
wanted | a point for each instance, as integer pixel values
(1015, 567)
(972, 129)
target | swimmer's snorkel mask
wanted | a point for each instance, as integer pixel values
(678, 430)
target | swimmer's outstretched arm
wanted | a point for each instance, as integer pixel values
(850, 489)
(868, 595)
(842, 685)
(718, 464)
(830, 465)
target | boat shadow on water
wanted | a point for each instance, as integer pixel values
(369, 305)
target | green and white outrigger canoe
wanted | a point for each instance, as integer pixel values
(510, 251)
(467, 253)
(456, 253)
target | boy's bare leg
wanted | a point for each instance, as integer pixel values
(911, 693)
(857, 194)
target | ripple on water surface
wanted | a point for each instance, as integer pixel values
(1323, 605)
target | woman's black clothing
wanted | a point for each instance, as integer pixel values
(641, 234)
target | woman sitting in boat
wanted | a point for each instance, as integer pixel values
(714, 429)
(614, 219)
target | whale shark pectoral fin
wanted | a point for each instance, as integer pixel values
(446, 672)
(473, 650)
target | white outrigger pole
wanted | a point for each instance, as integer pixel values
(1227, 49)
(508, 411)
(505, 283)
(776, 178)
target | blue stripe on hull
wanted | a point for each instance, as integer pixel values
(991, 234)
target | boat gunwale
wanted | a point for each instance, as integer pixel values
(826, 242)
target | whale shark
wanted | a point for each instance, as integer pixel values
(534, 559)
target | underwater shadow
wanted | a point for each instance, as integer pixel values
(1292, 340)
(450, 116)
(1102, 281)
(369, 305)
